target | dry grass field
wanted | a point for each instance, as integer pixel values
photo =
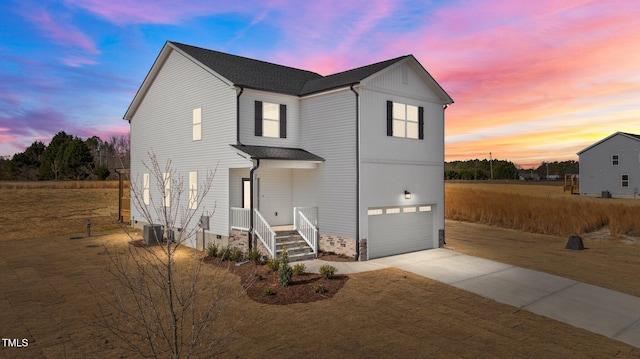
(46, 209)
(544, 209)
(49, 285)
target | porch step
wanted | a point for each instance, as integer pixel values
(297, 247)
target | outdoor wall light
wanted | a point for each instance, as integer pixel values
(407, 195)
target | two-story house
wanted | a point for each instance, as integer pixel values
(352, 161)
(611, 166)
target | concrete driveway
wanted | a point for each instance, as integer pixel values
(599, 310)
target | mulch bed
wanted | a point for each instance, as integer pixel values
(264, 286)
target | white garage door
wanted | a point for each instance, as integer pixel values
(395, 230)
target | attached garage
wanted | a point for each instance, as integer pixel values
(399, 229)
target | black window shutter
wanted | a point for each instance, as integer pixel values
(258, 124)
(389, 118)
(421, 123)
(283, 121)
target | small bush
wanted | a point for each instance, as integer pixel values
(268, 292)
(284, 271)
(236, 254)
(257, 276)
(224, 253)
(273, 264)
(299, 268)
(318, 288)
(328, 271)
(255, 256)
(212, 250)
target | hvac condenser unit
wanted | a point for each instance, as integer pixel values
(152, 234)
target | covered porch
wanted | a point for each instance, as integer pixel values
(274, 201)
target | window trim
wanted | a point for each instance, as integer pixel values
(259, 124)
(197, 124)
(624, 182)
(145, 189)
(391, 120)
(193, 189)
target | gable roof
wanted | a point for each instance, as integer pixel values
(626, 134)
(261, 75)
(250, 73)
(347, 77)
(278, 153)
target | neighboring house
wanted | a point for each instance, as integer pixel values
(611, 165)
(354, 161)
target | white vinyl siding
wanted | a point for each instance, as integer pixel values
(145, 189)
(604, 165)
(329, 123)
(161, 125)
(197, 124)
(193, 190)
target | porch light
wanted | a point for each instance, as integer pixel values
(407, 195)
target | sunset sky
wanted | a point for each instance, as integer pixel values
(532, 81)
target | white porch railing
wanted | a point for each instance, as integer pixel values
(265, 233)
(310, 212)
(240, 218)
(306, 227)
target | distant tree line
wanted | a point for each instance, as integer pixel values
(68, 157)
(480, 170)
(502, 169)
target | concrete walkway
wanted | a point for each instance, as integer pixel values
(599, 310)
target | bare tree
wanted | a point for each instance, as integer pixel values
(166, 302)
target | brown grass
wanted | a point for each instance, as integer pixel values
(48, 287)
(540, 209)
(45, 209)
(57, 184)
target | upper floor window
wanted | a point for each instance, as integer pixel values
(615, 160)
(197, 124)
(270, 120)
(405, 120)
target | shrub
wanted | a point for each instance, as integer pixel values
(273, 264)
(224, 253)
(284, 271)
(318, 288)
(212, 250)
(328, 271)
(236, 254)
(299, 268)
(255, 256)
(268, 292)
(257, 276)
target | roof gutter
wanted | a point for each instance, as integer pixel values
(251, 202)
(357, 256)
(238, 117)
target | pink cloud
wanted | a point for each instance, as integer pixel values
(60, 30)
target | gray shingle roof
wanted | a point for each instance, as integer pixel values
(347, 77)
(277, 153)
(261, 75)
(255, 74)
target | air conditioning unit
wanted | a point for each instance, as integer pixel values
(152, 234)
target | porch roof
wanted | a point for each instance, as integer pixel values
(277, 153)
